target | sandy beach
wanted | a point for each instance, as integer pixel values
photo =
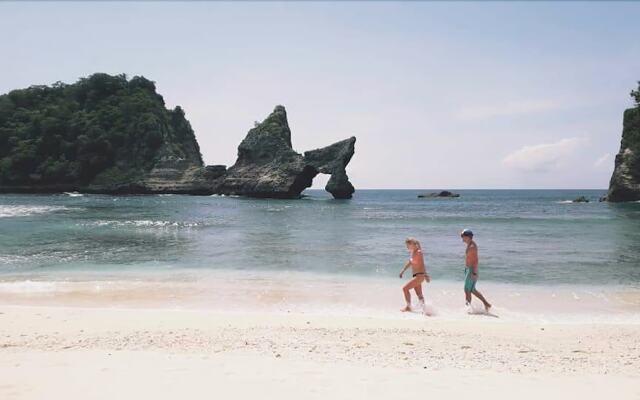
(101, 353)
(300, 200)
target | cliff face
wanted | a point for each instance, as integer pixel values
(101, 134)
(625, 181)
(108, 134)
(267, 165)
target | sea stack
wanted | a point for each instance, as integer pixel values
(267, 165)
(625, 181)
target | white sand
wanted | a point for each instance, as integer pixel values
(89, 353)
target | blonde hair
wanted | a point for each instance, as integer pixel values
(413, 241)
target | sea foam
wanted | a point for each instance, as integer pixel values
(7, 211)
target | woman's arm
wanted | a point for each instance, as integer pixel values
(426, 274)
(405, 268)
(424, 267)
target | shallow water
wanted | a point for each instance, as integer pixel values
(527, 238)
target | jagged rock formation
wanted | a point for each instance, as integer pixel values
(267, 165)
(625, 180)
(333, 160)
(110, 134)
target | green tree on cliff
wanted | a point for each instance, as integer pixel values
(102, 124)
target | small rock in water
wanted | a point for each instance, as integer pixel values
(444, 193)
(581, 199)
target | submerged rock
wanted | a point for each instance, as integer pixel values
(444, 193)
(267, 165)
(625, 180)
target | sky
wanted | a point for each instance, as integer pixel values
(439, 95)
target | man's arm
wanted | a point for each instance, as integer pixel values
(473, 258)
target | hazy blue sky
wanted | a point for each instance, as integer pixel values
(439, 95)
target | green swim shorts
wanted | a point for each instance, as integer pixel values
(469, 283)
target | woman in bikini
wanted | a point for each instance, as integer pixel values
(416, 262)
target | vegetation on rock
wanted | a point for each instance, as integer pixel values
(102, 129)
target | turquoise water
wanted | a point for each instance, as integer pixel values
(526, 237)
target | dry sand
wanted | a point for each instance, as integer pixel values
(97, 353)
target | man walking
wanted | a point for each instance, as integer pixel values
(471, 270)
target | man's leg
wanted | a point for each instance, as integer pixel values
(479, 295)
(468, 286)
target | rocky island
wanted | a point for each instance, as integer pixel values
(267, 165)
(441, 194)
(625, 181)
(109, 134)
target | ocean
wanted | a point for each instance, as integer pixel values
(539, 252)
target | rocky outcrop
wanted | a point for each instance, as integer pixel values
(625, 181)
(444, 193)
(111, 134)
(102, 134)
(333, 160)
(267, 165)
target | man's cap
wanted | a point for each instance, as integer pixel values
(466, 232)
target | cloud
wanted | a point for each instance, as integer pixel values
(543, 157)
(605, 162)
(509, 109)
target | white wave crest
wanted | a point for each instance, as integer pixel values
(145, 224)
(7, 211)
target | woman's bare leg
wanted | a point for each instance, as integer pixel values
(418, 290)
(407, 298)
(407, 295)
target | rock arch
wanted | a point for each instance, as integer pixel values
(267, 165)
